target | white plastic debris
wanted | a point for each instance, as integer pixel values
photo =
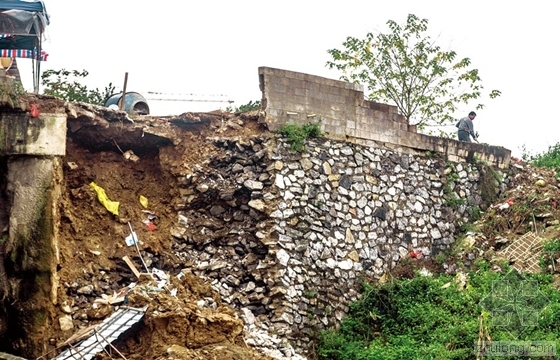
(160, 277)
(503, 206)
(131, 239)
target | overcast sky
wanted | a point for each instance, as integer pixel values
(209, 48)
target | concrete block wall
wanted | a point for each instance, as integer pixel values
(343, 113)
(21, 134)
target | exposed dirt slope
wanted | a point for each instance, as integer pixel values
(192, 325)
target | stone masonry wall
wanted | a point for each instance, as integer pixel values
(347, 212)
(286, 237)
(340, 109)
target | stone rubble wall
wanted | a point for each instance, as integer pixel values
(287, 237)
(343, 113)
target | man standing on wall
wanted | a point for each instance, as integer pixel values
(466, 128)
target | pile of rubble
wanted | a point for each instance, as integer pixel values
(519, 224)
(186, 316)
(182, 318)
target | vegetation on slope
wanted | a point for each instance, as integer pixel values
(549, 159)
(446, 317)
(422, 318)
(297, 134)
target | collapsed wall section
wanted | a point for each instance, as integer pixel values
(343, 113)
(21, 134)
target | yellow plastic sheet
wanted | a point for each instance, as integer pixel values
(144, 201)
(112, 206)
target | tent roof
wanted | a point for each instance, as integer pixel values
(27, 5)
(21, 23)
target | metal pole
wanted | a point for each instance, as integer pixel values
(109, 343)
(121, 105)
(77, 351)
(134, 238)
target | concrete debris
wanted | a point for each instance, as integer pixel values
(66, 323)
(129, 155)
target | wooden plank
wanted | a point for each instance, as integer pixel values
(131, 265)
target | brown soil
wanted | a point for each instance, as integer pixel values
(92, 240)
(406, 269)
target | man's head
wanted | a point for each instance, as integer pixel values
(472, 115)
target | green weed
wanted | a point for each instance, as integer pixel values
(548, 159)
(297, 134)
(250, 106)
(419, 318)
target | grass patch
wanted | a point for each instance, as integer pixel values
(550, 254)
(420, 318)
(297, 134)
(250, 106)
(548, 159)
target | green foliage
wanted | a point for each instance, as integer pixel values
(482, 264)
(297, 134)
(548, 159)
(65, 85)
(10, 92)
(552, 245)
(454, 201)
(418, 318)
(550, 255)
(467, 227)
(474, 212)
(404, 66)
(432, 154)
(451, 198)
(440, 258)
(310, 294)
(250, 106)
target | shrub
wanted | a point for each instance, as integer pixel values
(548, 159)
(419, 318)
(65, 85)
(297, 134)
(250, 106)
